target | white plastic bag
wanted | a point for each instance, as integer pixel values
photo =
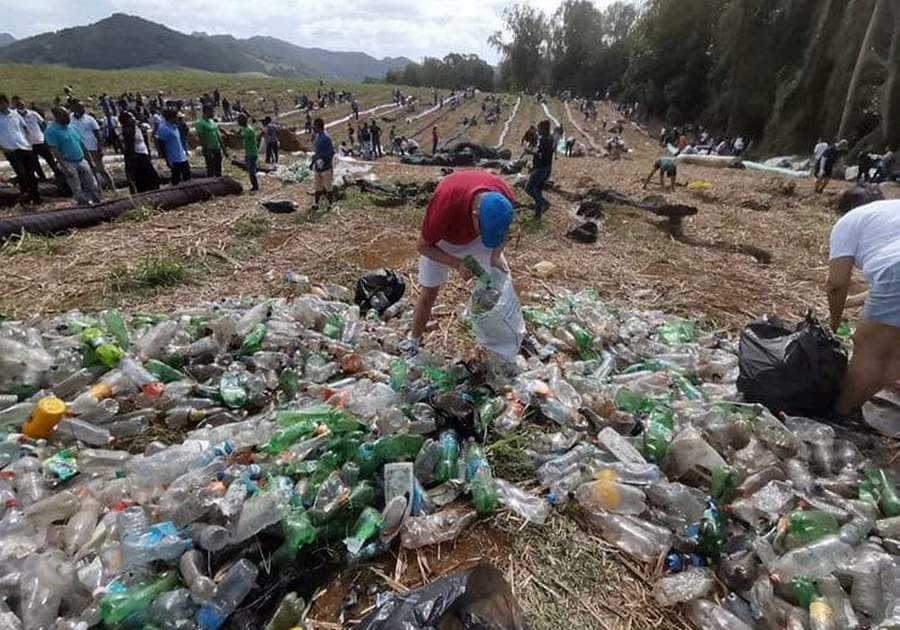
(501, 329)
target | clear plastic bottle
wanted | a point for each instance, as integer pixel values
(442, 526)
(30, 484)
(288, 614)
(260, 511)
(689, 450)
(530, 507)
(678, 500)
(210, 537)
(619, 447)
(821, 557)
(830, 589)
(173, 609)
(191, 566)
(642, 539)
(683, 587)
(52, 508)
(708, 616)
(611, 496)
(46, 578)
(82, 431)
(230, 592)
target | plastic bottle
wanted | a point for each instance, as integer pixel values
(619, 447)
(52, 508)
(230, 592)
(821, 557)
(448, 458)
(689, 450)
(530, 507)
(806, 526)
(611, 496)
(708, 616)
(642, 539)
(82, 524)
(191, 566)
(43, 582)
(173, 609)
(30, 484)
(821, 615)
(260, 511)
(119, 606)
(46, 414)
(677, 500)
(209, 537)
(432, 529)
(368, 525)
(82, 431)
(684, 587)
(107, 352)
(288, 614)
(831, 590)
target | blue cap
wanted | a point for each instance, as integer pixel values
(495, 214)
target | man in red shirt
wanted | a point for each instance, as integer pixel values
(468, 215)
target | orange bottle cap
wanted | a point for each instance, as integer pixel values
(44, 416)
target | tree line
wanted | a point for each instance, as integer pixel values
(784, 72)
(453, 72)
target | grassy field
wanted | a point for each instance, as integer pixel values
(42, 83)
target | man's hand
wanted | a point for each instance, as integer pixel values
(498, 261)
(464, 271)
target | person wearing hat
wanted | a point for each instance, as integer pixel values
(468, 215)
(825, 164)
(867, 237)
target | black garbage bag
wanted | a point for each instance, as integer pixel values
(584, 233)
(280, 206)
(473, 599)
(797, 371)
(378, 290)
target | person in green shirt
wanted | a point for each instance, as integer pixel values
(208, 131)
(251, 153)
(666, 168)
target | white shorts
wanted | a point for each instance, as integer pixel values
(434, 274)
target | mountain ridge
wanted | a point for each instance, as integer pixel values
(123, 41)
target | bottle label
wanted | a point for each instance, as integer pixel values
(821, 611)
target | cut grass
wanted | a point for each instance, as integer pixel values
(141, 213)
(150, 274)
(25, 243)
(252, 225)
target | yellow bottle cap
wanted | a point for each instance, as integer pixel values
(51, 407)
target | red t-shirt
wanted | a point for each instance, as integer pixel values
(449, 216)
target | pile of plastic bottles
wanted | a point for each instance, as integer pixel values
(293, 428)
(295, 439)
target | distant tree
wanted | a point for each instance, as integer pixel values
(523, 43)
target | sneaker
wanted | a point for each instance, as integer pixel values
(409, 347)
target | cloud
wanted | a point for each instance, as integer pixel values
(411, 28)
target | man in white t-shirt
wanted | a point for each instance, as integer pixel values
(89, 130)
(15, 146)
(34, 132)
(868, 238)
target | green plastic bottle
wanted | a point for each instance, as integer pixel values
(844, 331)
(687, 388)
(480, 479)
(298, 530)
(164, 372)
(806, 526)
(677, 332)
(398, 372)
(584, 342)
(371, 456)
(477, 270)
(107, 354)
(334, 327)
(723, 484)
(448, 456)
(885, 491)
(286, 437)
(289, 382)
(117, 607)
(115, 324)
(232, 390)
(253, 340)
(368, 525)
(804, 590)
(288, 614)
(658, 432)
(711, 536)
(627, 400)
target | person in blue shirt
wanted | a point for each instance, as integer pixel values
(322, 163)
(65, 144)
(170, 140)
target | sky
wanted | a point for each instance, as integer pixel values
(382, 28)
